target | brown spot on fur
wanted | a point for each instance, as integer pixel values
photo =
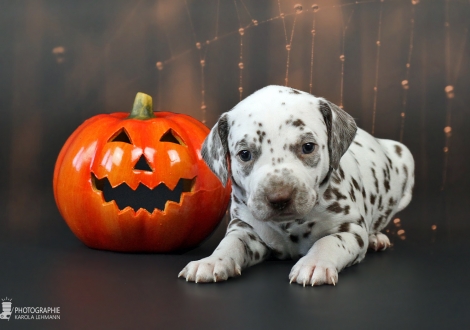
(252, 237)
(299, 221)
(298, 123)
(336, 208)
(338, 237)
(341, 172)
(376, 181)
(248, 251)
(398, 150)
(406, 179)
(352, 195)
(335, 177)
(330, 191)
(356, 185)
(387, 185)
(328, 194)
(236, 200)
(361, 222)
(294, 238)
(285, 226)
(378, 223)
(344, 227)
(239, 223)
(359, 240)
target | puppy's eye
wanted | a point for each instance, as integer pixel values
(245, 155)
(308, 148)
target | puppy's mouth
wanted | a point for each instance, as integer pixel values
(266, 212)
(284, 214)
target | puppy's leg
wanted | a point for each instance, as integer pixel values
(240, 248)
(329, 255)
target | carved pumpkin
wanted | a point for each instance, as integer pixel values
(137, 182)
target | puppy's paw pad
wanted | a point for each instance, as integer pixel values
(309, 272)
(210, 269)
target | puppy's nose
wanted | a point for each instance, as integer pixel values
(280, 199)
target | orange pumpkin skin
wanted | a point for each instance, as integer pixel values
(90, 155)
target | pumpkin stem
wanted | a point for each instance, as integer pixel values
(142, 108)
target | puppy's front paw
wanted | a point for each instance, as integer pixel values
(308, 271)
(211, 269)
(378, 242)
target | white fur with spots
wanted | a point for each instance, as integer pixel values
(325, 206)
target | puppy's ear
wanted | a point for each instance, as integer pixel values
(215, 149)
(341, 130)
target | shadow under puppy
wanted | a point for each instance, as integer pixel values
(306, 183)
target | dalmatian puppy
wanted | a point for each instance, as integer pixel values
(306, 184)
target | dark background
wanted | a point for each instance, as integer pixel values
(62, 62)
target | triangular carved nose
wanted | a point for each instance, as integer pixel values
(143, 165)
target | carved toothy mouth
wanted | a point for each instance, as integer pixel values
(142, 197)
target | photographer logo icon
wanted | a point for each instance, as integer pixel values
(6, 307)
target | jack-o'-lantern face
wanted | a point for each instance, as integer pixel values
(138, 176)
(138, 183)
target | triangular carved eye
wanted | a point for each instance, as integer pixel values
(143, 165)
(121, 136)
(172, 137)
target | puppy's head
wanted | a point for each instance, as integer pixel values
(279, 146)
